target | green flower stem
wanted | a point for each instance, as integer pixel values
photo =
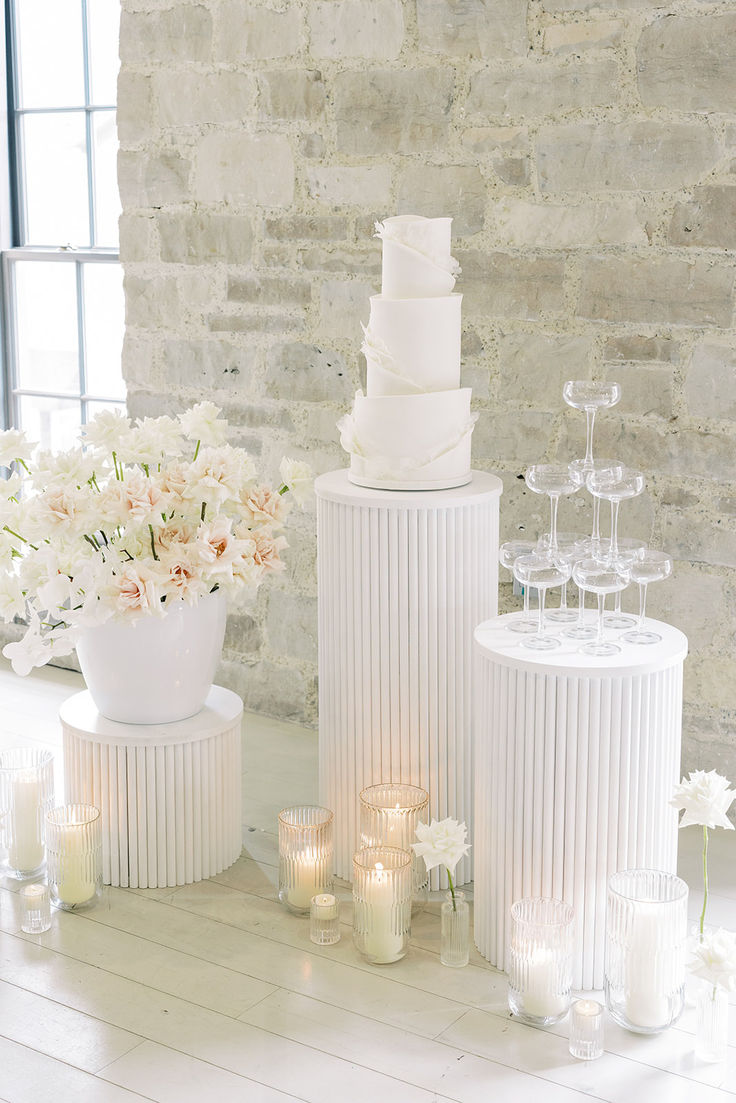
(12, 532)
(283, 488)
(452, 889)
(204, 507)
(196, 451)
(705, 880)
(153, 545)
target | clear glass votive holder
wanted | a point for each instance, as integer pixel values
(324, 920)
(35, 908)
(382, 891)
(305, 855)
(586, 1029)
(540, 960)
(74, 856)
(26, 795)
(389, 815)
(646, 932)
(455, 930)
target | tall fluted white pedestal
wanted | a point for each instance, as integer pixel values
(576, 760)
(169, 794)
(403, 578)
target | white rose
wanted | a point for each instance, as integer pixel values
(298, 478)
(714, 959)
(441, 843)
(136, 590)
(705, 798)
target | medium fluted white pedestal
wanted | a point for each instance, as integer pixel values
(170, 794)
(576, 761)
(403, 578)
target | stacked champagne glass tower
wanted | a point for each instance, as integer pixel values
(597, 565)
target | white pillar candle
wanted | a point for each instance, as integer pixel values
(383, 943)
(648, 969)
(308, 881)
(76, 880)
(25, 852)
(542, 997)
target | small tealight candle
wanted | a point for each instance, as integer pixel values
(324, 920)
(586, 1030)
(35, 909)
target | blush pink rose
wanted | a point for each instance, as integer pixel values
(267, 550)
(137, 591)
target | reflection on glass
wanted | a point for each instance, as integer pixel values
(51, 68)
(53, 422)
(57, 211)
(104, 26)
(107, 196)
(46, 334)
(104, 320)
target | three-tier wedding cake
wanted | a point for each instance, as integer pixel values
(412, 428)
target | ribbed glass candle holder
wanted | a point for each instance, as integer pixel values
(455, 930)
(35, 909)
(324, 920)
(540, 970)
(389, 815)
(305, 855)
(26, 795)
(382, 891)
(74, 850)
(646, 931)
(586, 1029)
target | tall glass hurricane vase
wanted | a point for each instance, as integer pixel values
(540, 970)
(305, 855)
(26, 795)
(389, 814)
(382, 882)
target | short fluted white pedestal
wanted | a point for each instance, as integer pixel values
(170, 794)
(576, 761)
(403, 578)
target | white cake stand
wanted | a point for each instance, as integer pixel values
(403, 578)
(576, 760)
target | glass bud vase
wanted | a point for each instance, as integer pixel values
(455, 931)
(711, 1023)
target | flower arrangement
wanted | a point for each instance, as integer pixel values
(139, 515)
(706, 798)
(442, 843)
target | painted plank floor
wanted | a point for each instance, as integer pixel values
(212, 991)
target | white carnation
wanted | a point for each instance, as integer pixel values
(109, 431)
(202, 423)
(14, 446)
(298, 478)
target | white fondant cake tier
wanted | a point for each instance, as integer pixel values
(416, 257)
(413, 345)
(405, 442)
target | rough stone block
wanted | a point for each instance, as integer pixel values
(635, 347)
(505, 286)
(350, 185)
(648, 389)
(542, 88)
(307, 373)
(245, 31)
(681, 453)
(692, 599)
(367, 118)
(269, 291)
(271, 689)
(138, 359)
(312, 146)
(181, 33)
(546, 225)
(291, 94)
(689, 535)
(686, 62)
(572, 38)
(192, 99)
(153, 180)
(665, 290)
(638, 156)
(353, 29)
(534, 367)
(204, 237)
(710, 384)
(520, 437)
(243, 634)
(358, 262)
(586, 5)
(203, 365)
(234, 167)
(344, 305)
(134, 114)
(291, 625)
(708, 219)
(433, 189)
(136, 237)
(278, 324)
(473, 28)
(307, 228)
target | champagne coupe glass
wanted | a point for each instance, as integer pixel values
(585, 394)
(553, 479)
(571, 546)
(508, 553)
(649, 566)
(544, 572)
(628, 549)
(601, 577)
(599, 467)
(614, 487)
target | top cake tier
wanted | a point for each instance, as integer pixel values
(417, 262)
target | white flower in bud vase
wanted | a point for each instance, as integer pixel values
(203, 424)
(298, 478)
(705, 798)
(714, 959)
(442, 843)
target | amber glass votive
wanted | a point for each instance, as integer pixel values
(305, 855)
(389, 815)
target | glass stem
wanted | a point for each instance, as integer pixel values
(596, 536)
(553, 501)
(563, 596)
(581, 606)
(642, 603)
(705, 880)
(526, 599)
(617, 602)
(601, 603)
(590, 421)
(614, 529)
(540, 630)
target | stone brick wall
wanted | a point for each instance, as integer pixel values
(586, 149)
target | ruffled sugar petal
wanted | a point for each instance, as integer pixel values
(418, 240)
(378, 356)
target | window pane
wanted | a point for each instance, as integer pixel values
(50, 62)
(55, 171)
(107, 197)
(53, 422)
(104, 29)
(104, 319)
(46, 326)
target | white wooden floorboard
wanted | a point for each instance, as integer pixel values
(214, 992)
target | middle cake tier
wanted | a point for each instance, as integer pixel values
(412, 346)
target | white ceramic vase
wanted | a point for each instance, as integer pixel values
(157, 669)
